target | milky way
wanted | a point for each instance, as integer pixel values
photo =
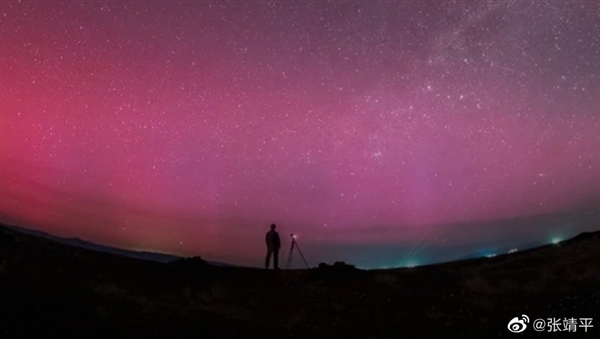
(380, 132)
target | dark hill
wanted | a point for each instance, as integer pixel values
(51, 290)
(142, 255)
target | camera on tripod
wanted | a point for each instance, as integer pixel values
(295, 245)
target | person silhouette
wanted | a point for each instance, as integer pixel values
(273, 246)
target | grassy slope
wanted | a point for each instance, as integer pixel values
(49, 290)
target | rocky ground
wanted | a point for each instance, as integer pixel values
(50, 290)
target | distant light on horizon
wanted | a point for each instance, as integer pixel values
(513, 250)
(411, 264)
(556, 240)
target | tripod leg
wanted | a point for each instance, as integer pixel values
(302, 255)
(289, 261)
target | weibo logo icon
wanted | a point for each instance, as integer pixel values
(518, 325)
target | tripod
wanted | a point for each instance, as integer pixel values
(294, 244)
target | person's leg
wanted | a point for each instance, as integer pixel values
(268, 259)
(276, 259)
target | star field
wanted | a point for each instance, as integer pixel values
(381, 132)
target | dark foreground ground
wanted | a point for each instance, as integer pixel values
(50, 290)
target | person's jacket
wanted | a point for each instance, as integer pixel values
(272, 240)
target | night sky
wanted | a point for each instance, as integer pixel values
(383, 133)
